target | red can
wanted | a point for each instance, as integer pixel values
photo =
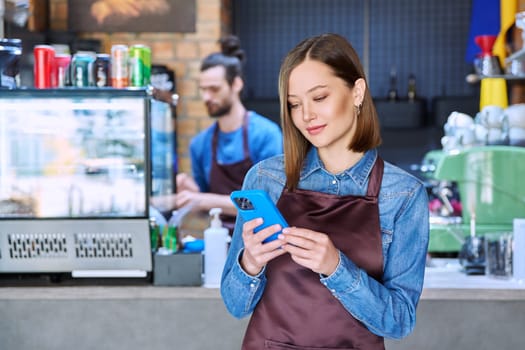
(44, 66)
(62, 63)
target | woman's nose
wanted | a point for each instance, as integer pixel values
(308, 113)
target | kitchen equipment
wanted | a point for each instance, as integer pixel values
(493, 90)
(486, 64)
(490, 185)
(75, 182)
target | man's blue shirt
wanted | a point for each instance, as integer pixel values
(264, 141)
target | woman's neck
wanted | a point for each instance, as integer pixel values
(337, 162)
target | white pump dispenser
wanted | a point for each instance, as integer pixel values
(216, 238)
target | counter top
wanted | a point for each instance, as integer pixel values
(444, 281)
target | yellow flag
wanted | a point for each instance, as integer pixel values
(508, 17)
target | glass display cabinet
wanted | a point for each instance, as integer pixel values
(75, 181)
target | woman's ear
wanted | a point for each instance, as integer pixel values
(359, 91)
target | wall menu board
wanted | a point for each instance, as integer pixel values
(132, 15)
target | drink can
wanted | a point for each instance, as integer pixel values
(101, 70)
(82, 69)
(44, 56)
(119, 66)
(11, 50)
(139, 65)
(62, 62)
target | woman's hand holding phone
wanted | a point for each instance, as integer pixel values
(311, 249)
(257, 253)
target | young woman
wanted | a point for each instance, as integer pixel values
(349, 269)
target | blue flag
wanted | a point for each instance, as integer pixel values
(484, 20)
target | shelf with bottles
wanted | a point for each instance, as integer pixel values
(476, 78)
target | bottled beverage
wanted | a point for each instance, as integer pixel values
(119, 66)
(62, 62)
(44, 56)
(411, 87)
(392, 92)
(139, 65)
(10, 52)
(82, 69)
(170, 233)
(101, 70)
(154, 231)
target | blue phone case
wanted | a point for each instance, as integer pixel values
(252, 204)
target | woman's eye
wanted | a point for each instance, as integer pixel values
(293, 105)
(320, 98)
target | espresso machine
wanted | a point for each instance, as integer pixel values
(489, 182)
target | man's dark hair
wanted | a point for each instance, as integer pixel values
(231, 58)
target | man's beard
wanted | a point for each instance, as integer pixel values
(221, 111)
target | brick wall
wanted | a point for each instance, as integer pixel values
(181, 52)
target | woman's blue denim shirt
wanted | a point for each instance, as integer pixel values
(388, 308)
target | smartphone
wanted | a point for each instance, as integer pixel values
(252, 204)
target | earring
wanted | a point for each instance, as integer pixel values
(358, 109)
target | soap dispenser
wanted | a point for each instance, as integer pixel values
(216, 239)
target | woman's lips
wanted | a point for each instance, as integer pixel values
(314, 130)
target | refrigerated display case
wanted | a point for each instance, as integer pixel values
(75, 181)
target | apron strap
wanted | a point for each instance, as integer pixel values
(374, 184)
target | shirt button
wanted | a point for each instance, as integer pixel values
(332, 290)
(334, 182)
(252, 285)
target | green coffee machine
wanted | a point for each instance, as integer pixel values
(490, 183)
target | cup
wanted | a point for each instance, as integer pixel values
(493, 92)
(516, 115)
(498, 254)
(491, 116)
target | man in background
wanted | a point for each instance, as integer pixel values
(222, 154)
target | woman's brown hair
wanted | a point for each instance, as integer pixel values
(336, 52)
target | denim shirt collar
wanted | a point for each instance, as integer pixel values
(358, 173)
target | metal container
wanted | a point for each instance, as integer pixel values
(62, 62)
(10, 52)
(101, 70)
(82, 69)
(139, 65)
(44, 56)
(119, 66)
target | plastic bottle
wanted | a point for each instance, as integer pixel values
(216, 238)
(411, 87)
(154, 231)
(170, 233)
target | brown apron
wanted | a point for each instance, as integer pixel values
(297, 310)
(225, 178)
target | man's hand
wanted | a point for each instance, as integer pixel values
(186, 183)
